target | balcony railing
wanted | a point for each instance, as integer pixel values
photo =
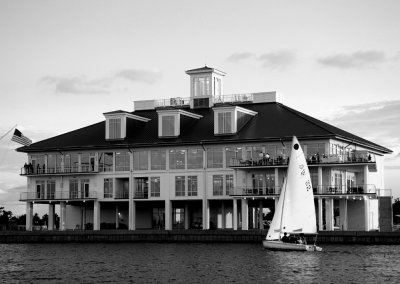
(26, 170)
(57, 195)
(257, 191)
(344, 189)
(122, 194)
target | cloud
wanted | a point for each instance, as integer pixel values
(140, 75)
(78, 85)
(277, 60)
(356, 60)
(240, 56)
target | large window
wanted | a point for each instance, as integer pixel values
(214, 158)
(84, 188)
(177, 159)
(71, 163)
(316, 148)
(192, 185)
(229, 184)
(106, 162)
(140, 160)
(232, 153)
(115, 128)
(122, 161)
(180, 186)
(225, 122)
(218, 185)
(168, 125)
(201, 86)
(195, 159)
(158, 159)
(73, 189)
(155, 186)
(51, 189)
(108, 188)
(53, 163)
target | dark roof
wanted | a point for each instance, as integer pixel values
(273, 122)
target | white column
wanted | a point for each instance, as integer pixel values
(186, 216)
(132, 205)
(50, 225)
(168, 215)
(319, 188)
(63, 215)
(343, 214)
(260, 215)
(29, 216)
(276, 180)
(366, 180)
(235, 214)
(320, 214)
(206, 214)
(366, 214)
(329, 214)
(245, 214)
(96, 215)
(116, 216)
(223, 215)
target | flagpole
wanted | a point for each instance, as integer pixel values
(8, 132)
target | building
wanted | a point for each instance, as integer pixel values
(204, 162)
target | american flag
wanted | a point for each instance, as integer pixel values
(20, 138)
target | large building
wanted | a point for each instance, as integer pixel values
(206, 161)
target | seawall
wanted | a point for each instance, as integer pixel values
(215, 236)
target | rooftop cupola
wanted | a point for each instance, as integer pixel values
(206, 86)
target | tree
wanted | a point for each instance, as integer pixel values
(5, 216)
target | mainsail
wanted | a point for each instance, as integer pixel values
(295, 211)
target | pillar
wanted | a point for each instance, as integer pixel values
(235, 215)
(245, 214)
(116, 216)
(223, 215)
(83, 226)
(168, 215)
(343, 214)
(187, 216)
(132, 214)
(329, 214)
(319, 186)
(96, 215)
(261, 215)
(50, 225)
(366, 171)
(63, 216)
(367, 217)
(206, 214)
(276, 181)
(29, 216)
(320, 215)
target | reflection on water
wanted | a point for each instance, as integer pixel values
(200, 263)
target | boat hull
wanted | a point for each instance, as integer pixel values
(279, 245)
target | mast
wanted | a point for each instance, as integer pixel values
(8, 132)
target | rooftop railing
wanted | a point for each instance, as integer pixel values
(179, 101)
(57, 195)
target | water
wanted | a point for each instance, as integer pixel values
(195, 263)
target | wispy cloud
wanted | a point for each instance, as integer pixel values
(356, 60)
(140, 75)
(278, 60)
(240, 56)
(78, 85)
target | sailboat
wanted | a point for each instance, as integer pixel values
(295, 211)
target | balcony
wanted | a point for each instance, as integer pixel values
(58, 196)
(84, 169)
(260, 191)
(122, 194)
(361, 189)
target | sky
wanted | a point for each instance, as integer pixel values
(65, 63)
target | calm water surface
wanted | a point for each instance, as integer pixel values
(195, 263)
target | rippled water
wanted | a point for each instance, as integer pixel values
(195, 263)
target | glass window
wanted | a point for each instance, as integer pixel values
(195, 158)
(224, 122)
(155, 186)
(177, 159)
(229, 184)
(214, 158)
(40, 189)
(140, 160)
(271, 151)
(232, 153)
(158, 159)
(192, 185)
(73, 189)
(84, 188)
(122, 161)
(316, 148)
(51, 189)
(108, 188)
(53, 163)
(37, 163)
(179, 186)
(106, 162)
(218, 185)
(115, 128)
(201, 86)
(168, 125)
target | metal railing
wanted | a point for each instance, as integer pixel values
(344, 189)
(26, 170)
(57, 195)
(179, 101)
(256, 191)
(122, 194)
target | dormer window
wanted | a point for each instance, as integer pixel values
(115, 128)
(169, 121)
(117, 121)
(229, 120)
(168, 125)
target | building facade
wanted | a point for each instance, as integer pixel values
(208, 161)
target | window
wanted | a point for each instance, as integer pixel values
(40, 189)
(218, 185)
(271, 151)
(142, 187)
(179, 186)
(195, 159)
(192, 185)
(229, 184)
(140, 160)
(115, 128)
(168, 125)
(224, 122)
(53, 164)
(214, 158)
(313, 149)
(106, 162)
(108, 188)
(177, 159)
(51, 189)
(71, 163)
(231, 154)
(158, 159)
(73, 189)
(201, 86)
(217, 87)
(155, 186)
(84, 188)
(122, 161)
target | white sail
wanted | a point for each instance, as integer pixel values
(295, 212)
